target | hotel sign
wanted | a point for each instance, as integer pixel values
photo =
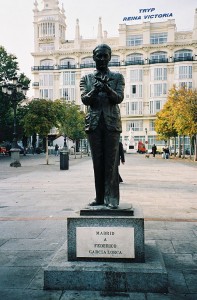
(148, 14)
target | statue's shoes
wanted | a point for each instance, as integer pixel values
(94, 203)
(111, 206)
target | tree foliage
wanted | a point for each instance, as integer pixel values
(73, 122)
(41, 116)
(8, 69)
(179, 114)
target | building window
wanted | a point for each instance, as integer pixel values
(68, 78)
(67, 86)
(158, 57)
(152, 125)
(187, 85)
(46, 47)
(183, 72)
(47, 29)
(134, 108)
(134, 40)
(45, 80)
(158, 74)
(158, 38)
(68, 93)
(134, 125)
(136, 75)
(155, 106)
(134, 59)
(46, 94)
(136, 91)
(88, 62)
(158, 89)
(182, 55)
(46, 62)
(67, 62)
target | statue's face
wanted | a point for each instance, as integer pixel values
(102, 58)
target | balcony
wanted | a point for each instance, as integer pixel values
(35, 84)
(114, 64)
(158, 60)
(42, 68)
(88, 65)
(182, 58)
(134, 62)
(68, 66)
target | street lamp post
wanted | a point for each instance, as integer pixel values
(14, 90)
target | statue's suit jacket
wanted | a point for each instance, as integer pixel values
(103, 102)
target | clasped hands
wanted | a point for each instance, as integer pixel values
(102, 84)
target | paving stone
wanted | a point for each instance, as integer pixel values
(191, 280)
(25, 258)
(183, 297)
(185, 247)
(29, 295)
(14, 277)
(177, 283)
(30, 244)
(179, 261)
(156, 296)
(2, 241)
(165, 246)
(170, 234)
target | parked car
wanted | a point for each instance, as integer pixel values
(3, 150)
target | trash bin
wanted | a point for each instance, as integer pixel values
(64, 160)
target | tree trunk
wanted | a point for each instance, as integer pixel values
(183, 147)
(179, 145)
(195, 148)
(190, 147)
(47, 151)
(75, 149)
(174, 146)
(81, 148)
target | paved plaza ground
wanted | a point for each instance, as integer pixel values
(36, 199)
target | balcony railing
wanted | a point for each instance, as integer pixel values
(68, 66)
(41, 68)
(158, 60)
(35, 83)
(181, 58)
(88, 65)
(134, 62)
(112, 64)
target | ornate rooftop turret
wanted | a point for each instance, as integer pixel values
(100, 33)
(194, 35)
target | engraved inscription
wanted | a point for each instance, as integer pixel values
(108, 242)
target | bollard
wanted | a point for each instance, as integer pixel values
(64, 160)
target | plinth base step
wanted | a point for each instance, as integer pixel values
(150, 276)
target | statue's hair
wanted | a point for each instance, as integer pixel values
(102, 46)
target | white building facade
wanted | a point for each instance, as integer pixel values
(151, 56)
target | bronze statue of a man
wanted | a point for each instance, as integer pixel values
(102, 91)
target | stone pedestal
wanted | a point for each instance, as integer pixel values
(107, 253)
(106, 238)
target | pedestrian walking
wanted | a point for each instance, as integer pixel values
(154, 150)
(56, 150)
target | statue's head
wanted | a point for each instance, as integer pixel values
(102, 56)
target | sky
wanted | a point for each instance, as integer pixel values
(16, 20)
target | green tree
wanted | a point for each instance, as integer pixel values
(8, 69)
(179, 115)
(41, 116)
(73, 122)
(186, 115)
(165, 122)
